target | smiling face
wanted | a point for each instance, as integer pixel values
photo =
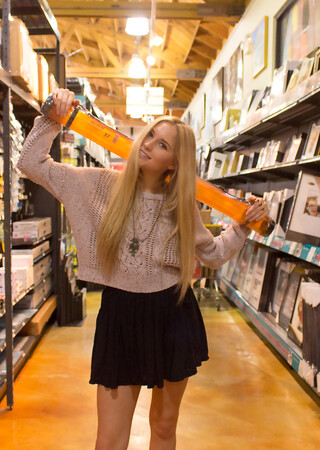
(157, 151)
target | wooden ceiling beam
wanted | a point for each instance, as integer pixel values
(174, 88)
(125, 9)
(176, 104)
(107, 51)
(188, 49)
(65, 38)
(80, 39)
(108, 72)
(119, 43)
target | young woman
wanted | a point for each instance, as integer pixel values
(137, 233)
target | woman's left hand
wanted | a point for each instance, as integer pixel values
(257, 210)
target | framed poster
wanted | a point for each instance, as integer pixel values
(216, 98)
(298, 30)
(202, 117)
(233, 79)
(260, 47)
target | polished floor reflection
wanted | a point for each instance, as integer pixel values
(242, 398)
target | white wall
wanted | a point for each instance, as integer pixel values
(254, 14)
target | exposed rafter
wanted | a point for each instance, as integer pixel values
(193, 33)
(224, 9)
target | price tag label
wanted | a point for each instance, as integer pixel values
(311, 254)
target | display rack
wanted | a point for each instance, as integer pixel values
(304, 252)
(39, 20)
(292, 112)
(264, 322)
(297, 106)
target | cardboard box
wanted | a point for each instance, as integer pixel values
(20, 53)
(43, 77)
(40, 293)
(42, 269)
(35, 228)
(36, 251)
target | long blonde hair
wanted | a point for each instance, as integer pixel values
(180, 200)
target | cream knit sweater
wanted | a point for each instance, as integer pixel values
(84, 193)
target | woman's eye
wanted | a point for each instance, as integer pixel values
(163, 145)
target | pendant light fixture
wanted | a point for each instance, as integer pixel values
(137, 68)
(137, 26)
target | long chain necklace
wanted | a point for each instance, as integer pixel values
(135, 241)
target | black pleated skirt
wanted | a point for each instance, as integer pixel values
(146, 338)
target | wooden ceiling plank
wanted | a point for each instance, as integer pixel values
(210, 41)
(216, 29)
(205, 51)
(200, 60)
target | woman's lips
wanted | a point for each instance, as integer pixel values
(143, 154)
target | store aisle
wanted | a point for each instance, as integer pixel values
(242, 398)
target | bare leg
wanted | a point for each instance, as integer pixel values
(164, 413)
(115, 412)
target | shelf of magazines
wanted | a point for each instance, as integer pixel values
(306, 252)
(300, 101)
(275, 335)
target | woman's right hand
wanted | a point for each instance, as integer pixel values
(64, 100)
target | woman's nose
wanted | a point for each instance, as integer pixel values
(148, 143)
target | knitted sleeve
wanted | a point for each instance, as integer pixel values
(35, 161)
(215, 251)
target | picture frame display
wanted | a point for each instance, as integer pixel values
(233, 79)
(260, 47)
(304, 222)
(216, 98)
(312, 145)
(298, 30)
(295, 331)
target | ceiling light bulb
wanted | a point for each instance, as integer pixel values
(137, 26)
(151, 60)
(156, 40)
(137, 68)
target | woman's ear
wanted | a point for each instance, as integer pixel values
(172, 166)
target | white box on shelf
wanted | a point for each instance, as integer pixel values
(36, 251)
(35, 228)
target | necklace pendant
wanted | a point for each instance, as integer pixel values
(134, 246)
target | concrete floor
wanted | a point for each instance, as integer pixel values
(243, 398)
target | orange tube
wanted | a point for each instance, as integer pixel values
(82, 122)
